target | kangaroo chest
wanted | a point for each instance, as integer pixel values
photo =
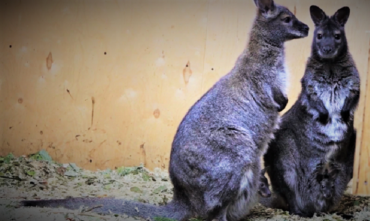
(332, 86)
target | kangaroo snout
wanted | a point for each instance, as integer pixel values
(305, 29)
(327, 49)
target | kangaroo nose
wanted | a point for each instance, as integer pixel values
(306, 28)
(326, 49)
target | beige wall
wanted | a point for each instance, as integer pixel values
(105, 83)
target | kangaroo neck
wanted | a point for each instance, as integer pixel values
(263, 49)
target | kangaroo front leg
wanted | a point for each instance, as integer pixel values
(316, 103)
(349, 104)
(279, 98)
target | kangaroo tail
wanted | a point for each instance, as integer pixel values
(172, 210)
(275, 201)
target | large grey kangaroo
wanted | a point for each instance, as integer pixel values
(215, 155)
(319, 126)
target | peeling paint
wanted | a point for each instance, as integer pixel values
(23, 49)
(187, 72)
(129, 94)
(160, 62)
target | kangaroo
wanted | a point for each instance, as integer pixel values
(319, 126)
(263, 188)
(321, 187)
(326, 182)
(215, 156)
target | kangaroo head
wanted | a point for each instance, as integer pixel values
(326, 179)
(329, 41)
(327, 188)
(277, 23)
(263, 188)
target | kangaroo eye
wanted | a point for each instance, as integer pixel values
(319, 36)
(287, 19)
(336, 36)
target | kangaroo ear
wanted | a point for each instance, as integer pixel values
(317, 15)
(265, 5)
(341, 16)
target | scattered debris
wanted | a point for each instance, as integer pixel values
(38, 177)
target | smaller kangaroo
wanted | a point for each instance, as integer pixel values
(321, 188)
(263, 188)
(326, 180)
(215, 155)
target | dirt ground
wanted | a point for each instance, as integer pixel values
(38, 177)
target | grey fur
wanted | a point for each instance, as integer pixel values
(215, 156)
(319, 126)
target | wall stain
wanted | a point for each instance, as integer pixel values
(77, 136)
(92, 110)
(156, 113)
(51, 146)
(101, 143)
(186, 73)
(119, 142)
(20, 100)
(41, 132)
(69, 93)
(143, 153)
(49, 61)
(163, 166)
